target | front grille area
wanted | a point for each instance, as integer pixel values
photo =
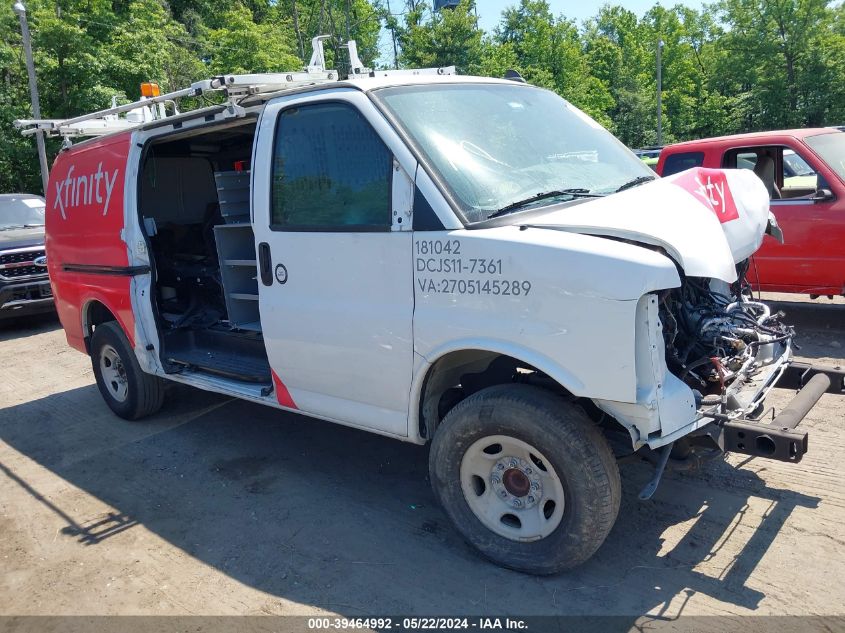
(30, 293)
(16, 265)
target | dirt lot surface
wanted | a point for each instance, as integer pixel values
(218, 506)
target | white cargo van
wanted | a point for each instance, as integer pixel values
(465, 261)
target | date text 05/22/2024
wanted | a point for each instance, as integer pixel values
(417, 624)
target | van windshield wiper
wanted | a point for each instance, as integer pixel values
(639, 180)
(575, 192)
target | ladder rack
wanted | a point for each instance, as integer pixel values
(234, 87)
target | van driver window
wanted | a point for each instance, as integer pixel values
(331, 171)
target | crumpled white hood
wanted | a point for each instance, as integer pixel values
(707, 219)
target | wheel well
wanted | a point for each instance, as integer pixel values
(462, 373)
(96, 313)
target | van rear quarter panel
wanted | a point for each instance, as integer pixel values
(84, 224)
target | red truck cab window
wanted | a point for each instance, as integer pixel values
(677, 163)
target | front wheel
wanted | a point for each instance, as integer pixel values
(526, 477)
(127, 389)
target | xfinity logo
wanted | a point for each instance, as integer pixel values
(706, 191)
(84, 190)
(710, 187)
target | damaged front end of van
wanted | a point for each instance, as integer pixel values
(708, 353)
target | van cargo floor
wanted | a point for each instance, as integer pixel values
(229, 354)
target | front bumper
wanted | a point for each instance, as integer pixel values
(777, 439)
(743, 424)
(22, 299)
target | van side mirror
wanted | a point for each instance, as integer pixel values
(822, 195)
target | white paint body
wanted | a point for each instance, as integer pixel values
(362, 317)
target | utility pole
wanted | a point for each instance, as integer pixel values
(659, 92)
(20, 9)
(393, 35)
(297, 30)
(348, 20)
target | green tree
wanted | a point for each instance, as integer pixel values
(148, 45)
(620, 52)
(735, 66)
(784, 50)
(18, 157)
(443, 38)
(243, 46)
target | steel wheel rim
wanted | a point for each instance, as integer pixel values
(495, 471)
(113, 373)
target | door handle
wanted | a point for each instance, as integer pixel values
(265, 264)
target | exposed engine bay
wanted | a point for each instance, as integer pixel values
(719, 341)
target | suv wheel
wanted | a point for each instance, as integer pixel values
(127, 389)
(526, 477)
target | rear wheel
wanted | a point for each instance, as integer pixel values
(526, 478)
(127, 389)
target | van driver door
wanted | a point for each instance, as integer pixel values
(331, 216)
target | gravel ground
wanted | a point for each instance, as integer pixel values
(218, 506)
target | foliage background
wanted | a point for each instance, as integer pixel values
(733, 66)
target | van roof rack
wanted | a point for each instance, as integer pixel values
(235, 87)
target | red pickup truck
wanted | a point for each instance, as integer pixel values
(804, 171)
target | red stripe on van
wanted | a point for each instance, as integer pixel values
(282, 393)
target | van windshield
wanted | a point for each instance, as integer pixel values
(495, 146)
(21, 212)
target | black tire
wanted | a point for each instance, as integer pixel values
(565, 436)
(144, 393)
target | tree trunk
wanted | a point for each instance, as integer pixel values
(297, 30)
